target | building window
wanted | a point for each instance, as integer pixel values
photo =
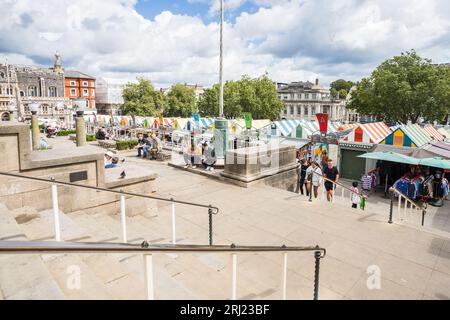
(22, 94)
(92, 92)
(314, 96)
(2, 75)
(285, 111)
(72, 83)
(85, 92)
(292, 110)
(85, 84)
(52, 92)
(87, 103)
(306, 111)
(32, 91)
(73, 92)
(306, 96)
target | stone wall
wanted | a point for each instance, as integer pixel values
(251, 164)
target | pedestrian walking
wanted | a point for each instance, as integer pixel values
(314, 174)
(331, 173)
(354, 196)
(301, 171)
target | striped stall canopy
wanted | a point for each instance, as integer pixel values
(369, 133)
(411, 136)
(346, 127)
(259, 124)
(433, 133)
(206, 122)
(287, 127)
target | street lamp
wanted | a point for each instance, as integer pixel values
(34, 107)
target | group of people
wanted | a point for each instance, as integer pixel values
(148, 146)
(102, 134)
(311, 175)
(111, 161)
(203, 153)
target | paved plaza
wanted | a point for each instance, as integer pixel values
(414, 264)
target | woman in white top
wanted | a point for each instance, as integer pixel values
(316, 173)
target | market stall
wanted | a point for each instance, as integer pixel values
(412, 136)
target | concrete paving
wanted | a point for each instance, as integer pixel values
(414, 263)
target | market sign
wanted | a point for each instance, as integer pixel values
(356, 146)
(324, 139)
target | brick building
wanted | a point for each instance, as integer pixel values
(80, 86)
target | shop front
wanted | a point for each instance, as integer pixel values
(350, 166)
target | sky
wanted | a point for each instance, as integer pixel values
(171, 41)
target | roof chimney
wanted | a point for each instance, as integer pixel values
(317, 82)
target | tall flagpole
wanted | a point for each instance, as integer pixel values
(221, 60)
(221, 124)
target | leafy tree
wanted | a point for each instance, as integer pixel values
(141, 99)
(338, 86)
(181, 101)
(343, 94)
(404, 88)
(255, 95)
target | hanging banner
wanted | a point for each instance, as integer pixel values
(248, 120)
(322, 118)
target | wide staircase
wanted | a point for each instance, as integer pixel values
(209, 273)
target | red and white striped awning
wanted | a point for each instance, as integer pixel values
(433, 133)
(369, 133)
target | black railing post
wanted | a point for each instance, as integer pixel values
(311, 188)
(391, 209)
(210, 214)
(423, 217)
(317, 256)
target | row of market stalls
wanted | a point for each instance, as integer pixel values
(411, 140)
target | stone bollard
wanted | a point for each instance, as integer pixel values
(35, 133)
(80, 129)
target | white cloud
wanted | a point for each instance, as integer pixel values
(292, 40)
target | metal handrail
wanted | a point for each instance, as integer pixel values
(41, 247)
(394, 190)
(420, 206)
(47, 247)
(361, 194)
(213, 209)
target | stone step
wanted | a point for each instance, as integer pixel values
(23, 276)
(98, 281)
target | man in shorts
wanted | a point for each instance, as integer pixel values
(331, 173)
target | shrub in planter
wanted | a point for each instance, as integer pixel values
(63, 133)
(126, 144)
(90, 137)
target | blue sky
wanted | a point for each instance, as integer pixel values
(170, 41)
(200, 8)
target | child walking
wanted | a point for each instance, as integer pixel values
(354, 196)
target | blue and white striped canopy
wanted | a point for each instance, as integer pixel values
(206, 122)
(286, 127)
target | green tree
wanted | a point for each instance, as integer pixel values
(255, 95)
(404, 88)
(181, 101)
(338, 86)
(141, 99)
(343, 94)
